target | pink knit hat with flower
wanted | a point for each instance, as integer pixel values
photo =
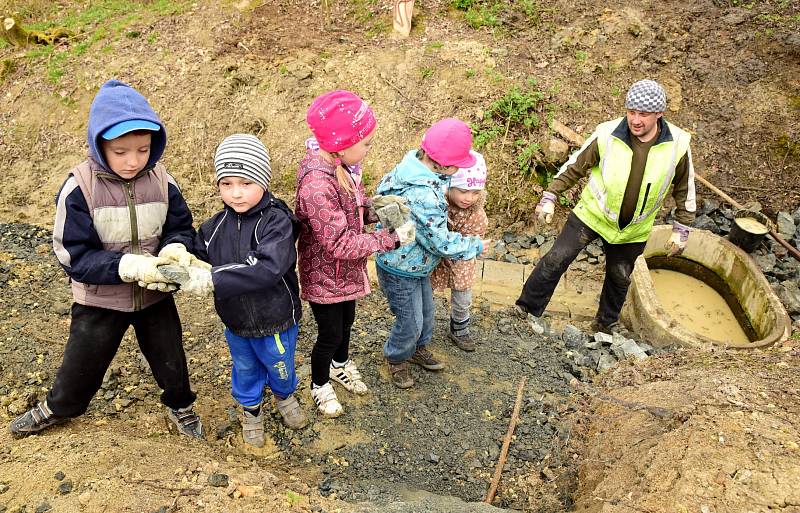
(340, 119)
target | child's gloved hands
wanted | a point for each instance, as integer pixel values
(390, 216)
(381, 201)
(194, 280)
(177, 253)
(142, 269)
(407, 233)
(545, 208)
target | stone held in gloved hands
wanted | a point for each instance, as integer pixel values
(390, 216)
(391, 199)
(178, 253)
(407, 233)
(194, 280)
(545, 208)
(141, 268)
(677, 240)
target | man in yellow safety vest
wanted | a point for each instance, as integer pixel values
(631, 163)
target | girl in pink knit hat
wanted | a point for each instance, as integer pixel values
(333, 247)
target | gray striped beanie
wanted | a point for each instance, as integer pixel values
(646, 96)
(245, 156)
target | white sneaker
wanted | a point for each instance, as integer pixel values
(349, 377)
(326, 400)
(253, 428)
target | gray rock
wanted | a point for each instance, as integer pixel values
(572, 337)
(65, 487)
(218, 480)
(540, 240)
(705, 223)
(593, 345)
(594, 250)
(765, 262)
(647, 348)
(603, 338)
(582, 256)
(796, 217)
(547, 246)
(605, 362)
(59, 476)
(592, 260)
(44, 506)
(509, 237)
(500, 248)
(4, 488)
(789, 294)
(786, 225)
(631, 349)
(508, 257)
(708, 205)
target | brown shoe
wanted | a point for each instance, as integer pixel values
(464, 342)
(401, 374)
(424, 358)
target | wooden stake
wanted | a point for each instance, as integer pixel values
(498, 470)
(401, 16)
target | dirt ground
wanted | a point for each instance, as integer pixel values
(729, 443)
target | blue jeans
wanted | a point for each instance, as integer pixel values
(260, 362)
(411, 301)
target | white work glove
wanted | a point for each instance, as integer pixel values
(678, 240)
(141, 268)
(390, 216)
(177, 253)
(390, 199)
(545, 208)
(194, 280)
(407, 233)
(159, 286)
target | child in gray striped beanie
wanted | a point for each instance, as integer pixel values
(245, 156)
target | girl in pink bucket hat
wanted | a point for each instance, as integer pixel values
(333, 247)
(422, 178)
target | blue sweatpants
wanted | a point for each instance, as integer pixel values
(262, 361)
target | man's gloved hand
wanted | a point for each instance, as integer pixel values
(407, 233)
(177, 253)
(381, 201)
(678, 240)
(545, 208)
(193, 280)
(141, 268)
(390, 216)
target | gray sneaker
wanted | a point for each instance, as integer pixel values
(187, 421)
(253, 428)
(34, 420)
(292, 414)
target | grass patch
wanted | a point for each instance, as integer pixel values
(513, 127)
(104, 20)
(498, 13)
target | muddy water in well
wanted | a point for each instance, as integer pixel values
(696, 306)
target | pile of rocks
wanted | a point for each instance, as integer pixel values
(774, 260)
(526, 249)
(601, 351)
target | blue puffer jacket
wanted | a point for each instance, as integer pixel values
(424, 191)
(253, 257)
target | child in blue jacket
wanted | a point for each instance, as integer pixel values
(251, 247)
(422, 178)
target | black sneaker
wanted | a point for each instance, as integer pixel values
(34, 420)
(187, 421)
(425, 359)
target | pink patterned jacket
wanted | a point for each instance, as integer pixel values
(333, 247)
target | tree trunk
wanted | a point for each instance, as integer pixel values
(14, 33)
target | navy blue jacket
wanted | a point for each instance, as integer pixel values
(253, 258)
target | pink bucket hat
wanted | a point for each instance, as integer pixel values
(340, 119)
(471, 178)
(448, 142)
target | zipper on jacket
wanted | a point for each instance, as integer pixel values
(646, 193)
(135, 245)
(290, 298)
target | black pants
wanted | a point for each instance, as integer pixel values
(334, 321)
(573, 238)
(94, 338)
